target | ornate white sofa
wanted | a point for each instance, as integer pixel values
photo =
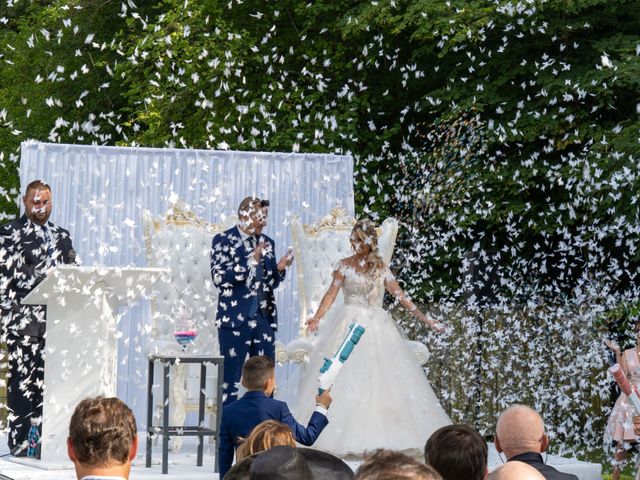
(317, 248)
(181, 243)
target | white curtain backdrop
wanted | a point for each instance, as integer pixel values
(99, 194)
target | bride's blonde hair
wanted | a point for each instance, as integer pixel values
(365, 230)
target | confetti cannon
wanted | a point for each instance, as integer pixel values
(625, 386)
(332, 366)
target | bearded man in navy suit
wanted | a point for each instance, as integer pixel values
(29, 247)
(245, 271)
(239, 418)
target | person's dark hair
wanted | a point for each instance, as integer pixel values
(101, 431)
(37, 185)
(250, 204)
(256, 371)
(323, 466)
(280, 463)
(390, 465)
(457, 451)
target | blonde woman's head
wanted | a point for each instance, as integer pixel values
(264, 436)
(364, 241)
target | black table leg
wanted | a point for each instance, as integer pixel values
(149, 413)
(201, 401)
(165, 419)
(219, 393)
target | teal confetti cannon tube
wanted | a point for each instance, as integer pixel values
(332, 366)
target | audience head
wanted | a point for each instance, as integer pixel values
(102, 437)
(259, 374)
(37, 202)
(520, 429)
(280, 463)
(252, 214)
(264, 436)
(515, 471)
(457, 451)
(285, 462)
(390, 465)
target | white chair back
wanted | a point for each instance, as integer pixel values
(181, 243)
(318, 248)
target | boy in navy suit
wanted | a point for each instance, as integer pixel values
(245, 271)
(239, 417)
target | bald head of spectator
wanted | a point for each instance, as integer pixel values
(520, 430)
(515, 471)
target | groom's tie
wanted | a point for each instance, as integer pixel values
(262, 304)
(259, 297)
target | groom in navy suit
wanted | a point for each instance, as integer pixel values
(239, 418)
(245, 271)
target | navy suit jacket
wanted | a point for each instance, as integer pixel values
(23, 253)
(231, 274)
(241, 416)
(548, 472)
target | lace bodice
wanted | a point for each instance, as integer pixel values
(363, 289)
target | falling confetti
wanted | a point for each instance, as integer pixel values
(504, 137)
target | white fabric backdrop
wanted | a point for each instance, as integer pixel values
(99, 194)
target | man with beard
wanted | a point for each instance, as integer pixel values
(29, 247)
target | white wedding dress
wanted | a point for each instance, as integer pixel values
(381, 398)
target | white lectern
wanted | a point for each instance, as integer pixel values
(81, 349)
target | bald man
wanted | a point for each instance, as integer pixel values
(520, 436)
(515, 471)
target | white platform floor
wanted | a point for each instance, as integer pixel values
(183, 465)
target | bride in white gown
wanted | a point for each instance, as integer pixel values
(382, 398)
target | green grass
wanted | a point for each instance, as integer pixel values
(629, 472)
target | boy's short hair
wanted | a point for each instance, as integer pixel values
(256, 371)
(101, 431)
(457, 451)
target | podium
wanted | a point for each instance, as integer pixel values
(81, 348)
